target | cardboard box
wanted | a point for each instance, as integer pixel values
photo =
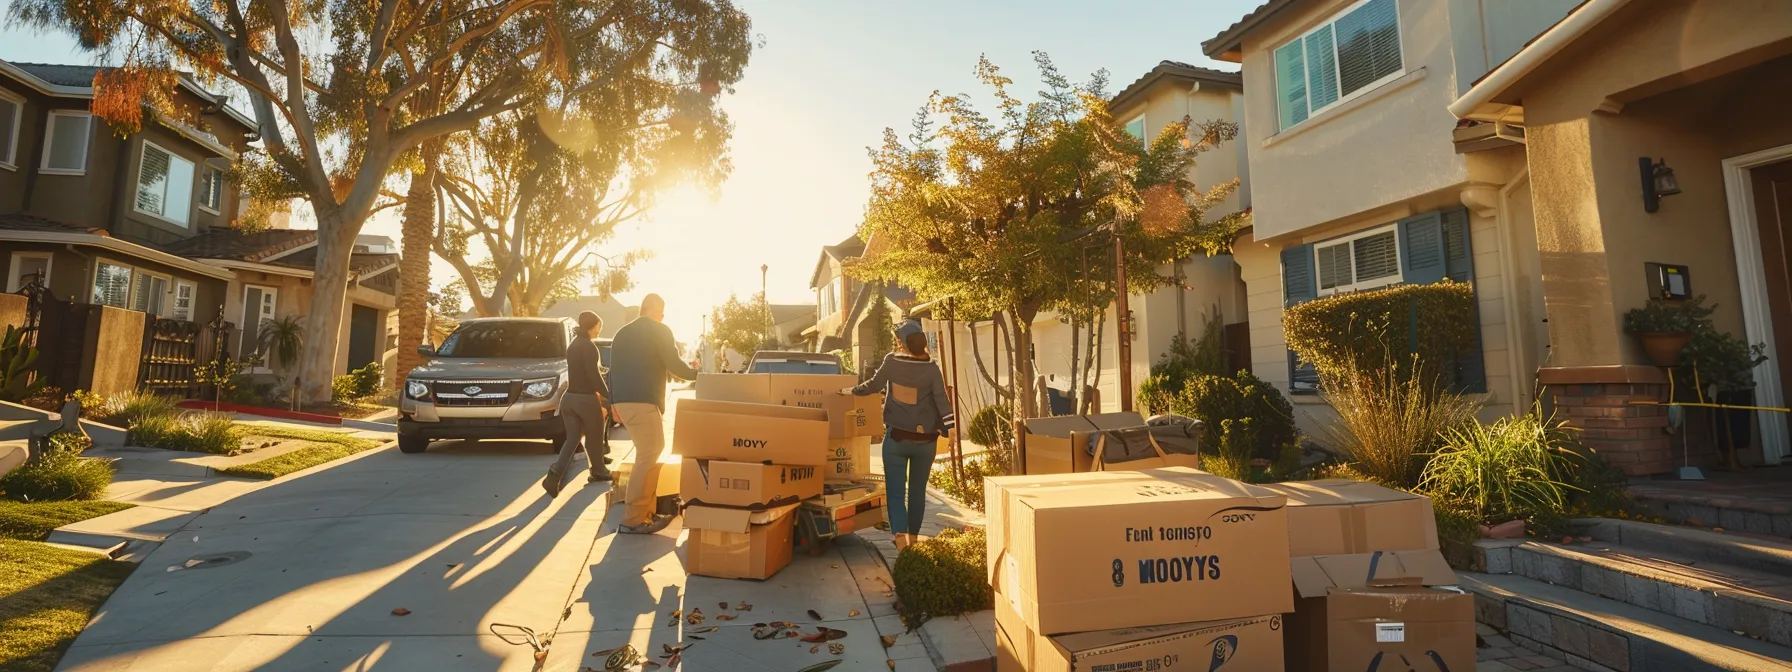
(737, 543)
(671, 471)
(1119, 549)
(1342, 517)
(740, 432)
(746, 484)
(1046, 448)
(848, 415)
(1244, 644)
(1355, 608)
(849, 458)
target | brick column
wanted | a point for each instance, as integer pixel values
(1597, 401)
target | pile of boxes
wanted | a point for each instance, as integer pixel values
(1170, 568)
(754, 448)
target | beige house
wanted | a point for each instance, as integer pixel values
(1613, 100)
(1359, 181)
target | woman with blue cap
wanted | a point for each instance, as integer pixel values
(917, 412)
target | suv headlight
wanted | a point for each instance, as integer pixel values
(416, 389)
(540, 389)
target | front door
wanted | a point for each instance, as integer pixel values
(1773, 214)
(258, 307)
(363, 334)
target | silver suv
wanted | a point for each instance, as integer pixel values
(493, 378)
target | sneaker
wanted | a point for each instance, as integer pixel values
(599, 476)
(658, 523)
(552, 484)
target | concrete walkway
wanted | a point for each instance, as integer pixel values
(307, 572)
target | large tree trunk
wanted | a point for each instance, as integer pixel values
(983, 369)
(329, 300)
(1024, 370)
(413, 267)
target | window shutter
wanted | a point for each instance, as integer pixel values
(1291, 84)
(1299, 286)
(1459, 253)
(1322, 69)
(1422, 249)
(9, 113)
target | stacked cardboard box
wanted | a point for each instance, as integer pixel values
(1121, 570)
(852, 420)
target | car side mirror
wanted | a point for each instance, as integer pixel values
(426, 350)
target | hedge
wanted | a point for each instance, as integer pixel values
(1345, 332)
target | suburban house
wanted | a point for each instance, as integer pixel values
(129, 237)
(846, 310)
(1656, 140)
(1361, 178)
(789, 321)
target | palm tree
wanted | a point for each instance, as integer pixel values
(281, 339)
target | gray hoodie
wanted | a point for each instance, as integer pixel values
(915, 399)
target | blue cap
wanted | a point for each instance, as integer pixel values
(906, 327)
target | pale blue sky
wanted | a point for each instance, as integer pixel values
(831, 76)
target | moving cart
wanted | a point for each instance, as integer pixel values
(842, 508)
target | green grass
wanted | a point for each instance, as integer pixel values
(47, 595)
(325, 447)
(32, 521)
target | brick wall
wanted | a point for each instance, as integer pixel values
(1633, 437)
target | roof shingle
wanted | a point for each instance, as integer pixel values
(234, 244)
(23, 221)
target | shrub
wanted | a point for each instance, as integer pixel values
(58, 473)
(1435, 322)
(1387, 422)
(1237, 446)
(1504, 471)
(126, 408)
(358, 384)
(18, 378)
(1658, 316)
(212, 433)
(1216, 399)
(1186, 359)
(943, 576)
(1457, 531)
(969, 489)
(992, 426)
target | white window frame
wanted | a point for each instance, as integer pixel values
(1400, 264)
(1337, 66)
(207, 173)
(174, 300)
(1143, 131)
(138, 277)
(830, 293)
(15, 280)
(141, 155)
(93, 281)
(10, 160)
(245, 347)
(50, 139)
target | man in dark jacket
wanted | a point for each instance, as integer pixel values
(644, 356)
(582, 407)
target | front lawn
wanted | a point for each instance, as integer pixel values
(321, 446)
(47, 595)
(32, 521)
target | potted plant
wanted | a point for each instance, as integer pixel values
(1665, 327)
(1724, 365)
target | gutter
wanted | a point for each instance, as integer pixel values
(116, 245)
(1472, 105)
(262, 268)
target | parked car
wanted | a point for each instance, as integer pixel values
(493, 378)
(774, 361)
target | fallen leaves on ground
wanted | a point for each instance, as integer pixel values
(825, 635)
(702, 631)
(888, 640)
(673, 619)
(743, 606)
(815, 649)
(726, 617)
(695, 617)
(401, 611)
(814, 614)
(819, 667)
(852, 613)
(836, 648)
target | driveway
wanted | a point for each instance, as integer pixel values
(307, 572)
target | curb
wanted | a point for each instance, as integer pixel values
(261, 411)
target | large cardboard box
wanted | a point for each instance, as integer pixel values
(849, 458)
(848, 415)
(737, 543)
(1106, 550)
(1364, 611)
(1244, 644)
(748, 485)
(1047, 446)
(741, 432)
(671, 471)
(1342, 517)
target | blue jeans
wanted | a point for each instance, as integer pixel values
(906, 464)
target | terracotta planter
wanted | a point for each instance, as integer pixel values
(1663, 347)
(1511, 529)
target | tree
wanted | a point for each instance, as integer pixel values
(332, 87)
(996, 212)
(741, 326)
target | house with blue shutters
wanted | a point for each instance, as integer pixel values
(1362, 178)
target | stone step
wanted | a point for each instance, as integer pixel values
(1749, 510)
(1596, 633)
(1737, 548)
(1720, 595)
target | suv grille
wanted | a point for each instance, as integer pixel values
(475, 392)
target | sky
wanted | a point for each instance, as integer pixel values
(830, 77)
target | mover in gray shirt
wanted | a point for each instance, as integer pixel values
(917, 411)
(582, 408)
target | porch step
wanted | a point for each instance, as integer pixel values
(1747, 511)
(1731, 597)
(1596, 633)
(1760, 552)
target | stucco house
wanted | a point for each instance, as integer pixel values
(846, 310)
(1358, 180)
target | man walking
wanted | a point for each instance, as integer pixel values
(582, 408)
(644, 355)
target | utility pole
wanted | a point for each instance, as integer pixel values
(1122, 320)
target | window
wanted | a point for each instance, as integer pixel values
(164, 185)
(830, 298)
(65, 143)
(1338, 61)
(150, 294)
(112, 285)
(501, 339)
(27, 267)
(1363, 260)
(11, 109)
(211, 190)
(1137, 128)
(183, 301)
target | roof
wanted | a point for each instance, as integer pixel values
(361, 264)
(230, 243)
(1226, 45)
(22, 226)
(782, 312)
(1177, 72)
(1483, 100)
(843, 250)
(76, 81)
(21, 221)
(62, 75)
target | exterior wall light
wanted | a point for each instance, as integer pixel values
(1658, 181)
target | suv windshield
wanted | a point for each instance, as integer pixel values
(794, 366)
(531, 340)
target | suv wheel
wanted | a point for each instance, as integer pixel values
(412, 444)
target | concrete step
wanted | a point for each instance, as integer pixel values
(1725, 596)
(1596, 633)
(1752, 508)
(1760, 552)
